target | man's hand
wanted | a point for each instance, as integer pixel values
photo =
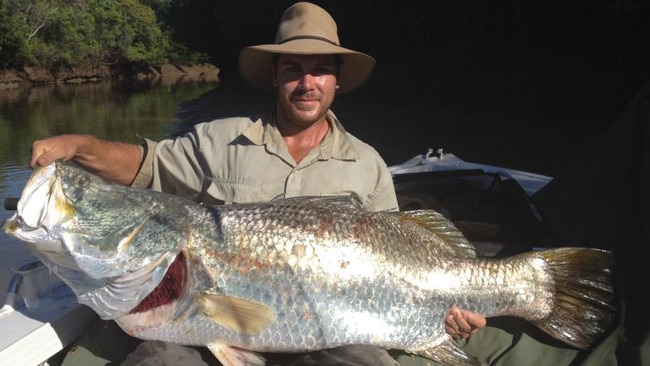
(115, 161)
(45, 151)
(461, 324)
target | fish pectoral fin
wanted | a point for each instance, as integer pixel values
(448, 352)
(241, 315)
(231, 356)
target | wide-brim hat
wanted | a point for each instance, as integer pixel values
(305, 29)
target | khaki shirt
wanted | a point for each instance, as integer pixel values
(238, 160)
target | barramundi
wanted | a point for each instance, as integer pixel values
(296, 274)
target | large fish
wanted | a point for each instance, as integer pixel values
(293, 275)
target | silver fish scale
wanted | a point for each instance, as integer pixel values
(332, 276)
(333, 273)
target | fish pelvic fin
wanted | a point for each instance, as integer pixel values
(232, 356)
(240, 315)
(583, 305)
(448, 353)
(441, 226)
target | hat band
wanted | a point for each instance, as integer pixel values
(309, 37)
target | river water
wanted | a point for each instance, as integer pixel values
(106, 110)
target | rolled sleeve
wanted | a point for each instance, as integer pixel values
(145, 175)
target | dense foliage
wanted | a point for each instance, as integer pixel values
(52, 33)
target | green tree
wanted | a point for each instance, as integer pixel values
(55, 33)
(128, 31)
(22, 21)
(13, 45)
(68, 38)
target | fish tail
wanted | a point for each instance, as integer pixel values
(583, 306)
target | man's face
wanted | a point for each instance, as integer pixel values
(306, 86)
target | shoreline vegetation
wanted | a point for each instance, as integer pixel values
(167, 74)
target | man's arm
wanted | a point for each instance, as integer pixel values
(115, 161)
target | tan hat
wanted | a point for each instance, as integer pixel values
(305, 29)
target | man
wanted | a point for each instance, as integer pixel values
(299, 149)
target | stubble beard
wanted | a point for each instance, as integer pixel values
(292, 115)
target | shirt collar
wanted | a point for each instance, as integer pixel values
(336, 144)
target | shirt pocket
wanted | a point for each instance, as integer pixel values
(228, 192)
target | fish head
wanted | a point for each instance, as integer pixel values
(89, 232)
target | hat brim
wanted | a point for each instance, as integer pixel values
(255, 63)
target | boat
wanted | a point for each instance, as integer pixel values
(491, 205)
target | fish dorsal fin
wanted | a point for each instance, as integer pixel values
(438, 224)
(349, 200)
(237, 314)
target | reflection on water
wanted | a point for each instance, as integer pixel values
(107, 110)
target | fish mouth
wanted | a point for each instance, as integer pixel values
(29, 222)
(39, 187)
